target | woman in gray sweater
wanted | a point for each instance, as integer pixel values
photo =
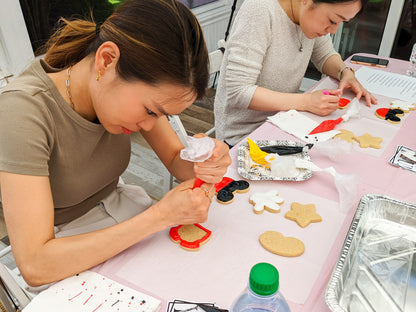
(267, 54)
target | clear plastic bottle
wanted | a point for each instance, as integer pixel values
(411, 71)
(262, 293)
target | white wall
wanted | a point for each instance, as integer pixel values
(16, 51)
(15, 48)
(214, 19)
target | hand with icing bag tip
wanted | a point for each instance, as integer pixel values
(214, 168)
(185, 205)
(322, 103)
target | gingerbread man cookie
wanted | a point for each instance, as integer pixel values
(367, 140)
(190, 236)
(303, 214)
(403, 105)
(345, 135)
(228, 187)
(278, 244)
(269, 201)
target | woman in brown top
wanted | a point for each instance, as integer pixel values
(64, 126)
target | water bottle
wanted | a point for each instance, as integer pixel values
(262, 292)
(411, 71)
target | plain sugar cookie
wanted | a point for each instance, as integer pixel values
(345, 135)
(367, 140)
(303, 214)
(280, 245)
(269, 201)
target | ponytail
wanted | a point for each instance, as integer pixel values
(159, 41)
(70, 43)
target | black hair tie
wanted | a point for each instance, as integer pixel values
(97, 29)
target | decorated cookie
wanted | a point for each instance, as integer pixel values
(403, 105)
(278, 244)
(228, 187)
(343, 103)
(345, 135)
(391, 115)
(190, 236)
(367, 140)
(269, 201)
(303, 214)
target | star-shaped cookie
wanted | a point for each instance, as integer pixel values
(303, 214)
(367, 140)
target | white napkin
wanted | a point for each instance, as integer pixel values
(300, 126)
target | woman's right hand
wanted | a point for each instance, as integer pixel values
(185, 205)
(322, 104)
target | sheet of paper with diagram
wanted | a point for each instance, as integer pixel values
(92, 292)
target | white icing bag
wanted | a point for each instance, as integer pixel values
(282, 166)
(346, 184)
(334, 148)
(353, 110)
(198, 149)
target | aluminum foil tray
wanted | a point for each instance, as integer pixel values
(376, 269)
(251, 171)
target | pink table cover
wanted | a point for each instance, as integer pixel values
(219, 271)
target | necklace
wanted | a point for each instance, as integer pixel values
(297, 30)
(68, 86)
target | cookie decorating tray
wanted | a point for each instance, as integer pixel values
(376, 269)
(248, 169)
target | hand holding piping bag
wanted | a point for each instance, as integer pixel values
(322, 102)
(211, 158)
(328, 125)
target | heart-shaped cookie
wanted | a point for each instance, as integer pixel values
(278, 244)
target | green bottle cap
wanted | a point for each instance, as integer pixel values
(264, 279)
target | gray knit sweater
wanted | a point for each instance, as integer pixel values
(262, 50)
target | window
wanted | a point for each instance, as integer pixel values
(195, 3)
(41, 16)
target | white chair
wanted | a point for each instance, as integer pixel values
(14, 292)
(215, 60)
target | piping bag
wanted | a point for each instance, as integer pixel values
(328, 125)
(346, 184)
(197, 150)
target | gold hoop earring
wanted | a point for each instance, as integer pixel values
(98, 75)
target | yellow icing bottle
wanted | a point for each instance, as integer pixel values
(256, 153)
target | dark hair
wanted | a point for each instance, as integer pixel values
(363, 2)
(159, 41)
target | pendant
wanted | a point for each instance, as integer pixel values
(300, 49)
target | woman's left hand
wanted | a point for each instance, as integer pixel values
(213, 169)
(349, 81)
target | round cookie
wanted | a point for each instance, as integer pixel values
(280, 245)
